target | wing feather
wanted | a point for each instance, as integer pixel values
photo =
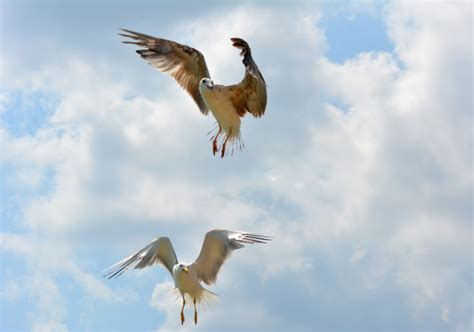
(159, 251)
(217, 247)
(250, 95)
(185, 64)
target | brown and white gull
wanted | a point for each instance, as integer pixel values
(228, 103)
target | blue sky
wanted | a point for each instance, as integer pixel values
(361, 167)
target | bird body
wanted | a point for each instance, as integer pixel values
(188, 67)
(187, 282)
(225, 113)
(217, 246)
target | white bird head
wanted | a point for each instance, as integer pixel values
(180, 268)
(206, 83)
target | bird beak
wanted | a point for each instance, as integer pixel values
(185, 269)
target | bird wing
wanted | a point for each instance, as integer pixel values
(185, 64)
(250, 95)
(159, 251)
(217, 246)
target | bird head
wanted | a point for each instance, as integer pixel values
(206, 83)
(181, 267)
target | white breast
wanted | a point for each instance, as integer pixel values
(223, 110)
(186, 282)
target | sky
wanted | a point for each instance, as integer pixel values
(361, 168)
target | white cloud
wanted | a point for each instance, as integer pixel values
(167, 300)
(361, 170)
(49, 261)
(359, 253)
(50, 303)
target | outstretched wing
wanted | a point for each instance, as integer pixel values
(217, 247)
(250, 95)
(185, 64)
(159, 251)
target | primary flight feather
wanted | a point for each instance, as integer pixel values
(188, 67)
(217, 246)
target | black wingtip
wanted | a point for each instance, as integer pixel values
(123, 32)
(238, 40)
(240, 43)
(257, 238)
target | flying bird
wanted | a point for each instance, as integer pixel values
(217, 247)
(228, 103)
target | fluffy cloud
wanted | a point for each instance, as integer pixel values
(361, 170)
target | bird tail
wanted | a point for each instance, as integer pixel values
(205, 298)
(234, 141)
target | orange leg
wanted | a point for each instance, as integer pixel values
(214, 142)
(195, 313)
(182, 311)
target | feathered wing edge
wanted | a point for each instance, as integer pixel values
(245, 237)
(247, 59)
(217, 247)
(250, 95)
(159, 251)
(184, 63)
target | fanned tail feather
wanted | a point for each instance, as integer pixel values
(205, 299)
(234, 143)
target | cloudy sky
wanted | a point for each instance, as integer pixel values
(361, 167)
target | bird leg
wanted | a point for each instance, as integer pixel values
(225, 142)
(182, 311)
(214, 142)
(195, 312)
